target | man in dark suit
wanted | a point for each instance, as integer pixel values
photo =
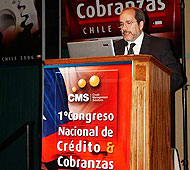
(135, 41)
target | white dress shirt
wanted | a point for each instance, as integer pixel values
(137, 47)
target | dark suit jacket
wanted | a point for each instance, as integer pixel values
(160, 49)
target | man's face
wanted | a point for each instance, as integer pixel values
(130, 28)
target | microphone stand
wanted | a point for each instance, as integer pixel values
(184, 88)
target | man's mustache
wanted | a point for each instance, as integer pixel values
(127, 32)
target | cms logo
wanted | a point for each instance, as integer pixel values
(78, 97)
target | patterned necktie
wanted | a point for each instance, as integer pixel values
(131, 48)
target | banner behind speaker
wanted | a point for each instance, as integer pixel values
(98, 18)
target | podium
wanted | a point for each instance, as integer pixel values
(128, 101)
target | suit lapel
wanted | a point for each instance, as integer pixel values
(145, 48)
(123, 45)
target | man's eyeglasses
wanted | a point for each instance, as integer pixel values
(126, 23)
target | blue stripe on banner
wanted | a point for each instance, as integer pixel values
(88, 64)
(55, 100)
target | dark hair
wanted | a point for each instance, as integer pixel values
(139, 14)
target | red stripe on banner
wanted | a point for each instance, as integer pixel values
(103, 20)
(157, 26)
(157, 14)
(90, 21)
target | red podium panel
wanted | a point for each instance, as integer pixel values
(97, 116)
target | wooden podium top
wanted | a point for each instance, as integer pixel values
(117, 58)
